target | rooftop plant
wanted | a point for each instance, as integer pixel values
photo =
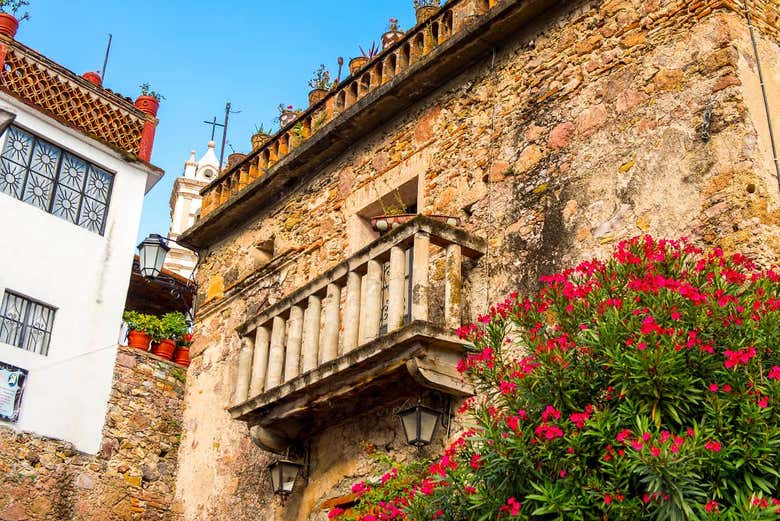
(321, 79)
(146, 90)
(644, 387)
(260, 129)
(13, 7)
(419, 4)
(372, 52)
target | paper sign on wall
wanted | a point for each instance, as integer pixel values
(12, 381)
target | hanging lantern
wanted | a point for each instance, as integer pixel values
(151, 255)
(419, 424)
(283, 476)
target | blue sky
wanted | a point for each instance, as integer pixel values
(199, 55)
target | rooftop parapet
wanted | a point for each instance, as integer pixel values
(407, 57)
(75, 101)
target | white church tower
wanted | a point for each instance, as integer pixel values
(185, 207)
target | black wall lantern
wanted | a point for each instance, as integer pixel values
(151, 255)
(283, 475)
(420, 423)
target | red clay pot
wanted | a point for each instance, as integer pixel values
(426, 13)
(8, 24)
(316, 96)
(93, 77)
(148, 104)
(385, 223)
(138, 340)
(164, 349)
(182, 356)
(355, 64)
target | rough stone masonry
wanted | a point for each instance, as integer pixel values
(602, 120)
(131, 478)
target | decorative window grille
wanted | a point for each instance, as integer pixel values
(25, 323)
(54, 180)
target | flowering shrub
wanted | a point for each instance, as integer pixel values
(643, 387)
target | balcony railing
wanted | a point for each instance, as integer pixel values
(416, 44)
(370, 314)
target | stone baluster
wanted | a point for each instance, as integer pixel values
(244, 370)
(352, 312)
(294, 336)
(372, 309)
(452, 287)
(330, 330)
(260, 361)
(396, 289)
(422, 243)
(311, 332)
(276, 354)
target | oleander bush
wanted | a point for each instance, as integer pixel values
(642, 387)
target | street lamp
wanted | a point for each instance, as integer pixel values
(151, 254)
(419, 423)
(283, 476)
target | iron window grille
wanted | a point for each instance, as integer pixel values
(54, 180)
(25, 323)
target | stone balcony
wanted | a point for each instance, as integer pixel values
(326, 350)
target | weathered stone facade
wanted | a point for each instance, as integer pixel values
(133, 476)
(603, 120)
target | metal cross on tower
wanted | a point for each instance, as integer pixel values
(224, 126)
(214, 126)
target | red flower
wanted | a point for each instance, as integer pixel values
(711, 506)
(713, 446)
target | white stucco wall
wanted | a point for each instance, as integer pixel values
(85, 276)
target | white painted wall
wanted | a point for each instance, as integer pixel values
(85, 276)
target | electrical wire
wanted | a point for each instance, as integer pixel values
(491, 158)
(763, 92)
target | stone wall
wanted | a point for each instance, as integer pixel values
(133, 476)
(608, 119)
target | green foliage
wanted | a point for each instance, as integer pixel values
(260, 129)
(172, 325)
(148, 324)
(146, 90)
(179, 374)
(321, 79)
(646, 387)
(419, 4)
(13, 7)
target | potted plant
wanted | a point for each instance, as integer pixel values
(260, 137)
(149, 100)
(172, 327)
(393, 214)
(182, 355)
(425, 9)
(287, 114)
(393, 34)
(357, 63)
(320, 85)
(9, 16)
(141, 327)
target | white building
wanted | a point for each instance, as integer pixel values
(185, 207)
(73, 174)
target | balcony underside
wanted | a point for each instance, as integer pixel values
(420, 353)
